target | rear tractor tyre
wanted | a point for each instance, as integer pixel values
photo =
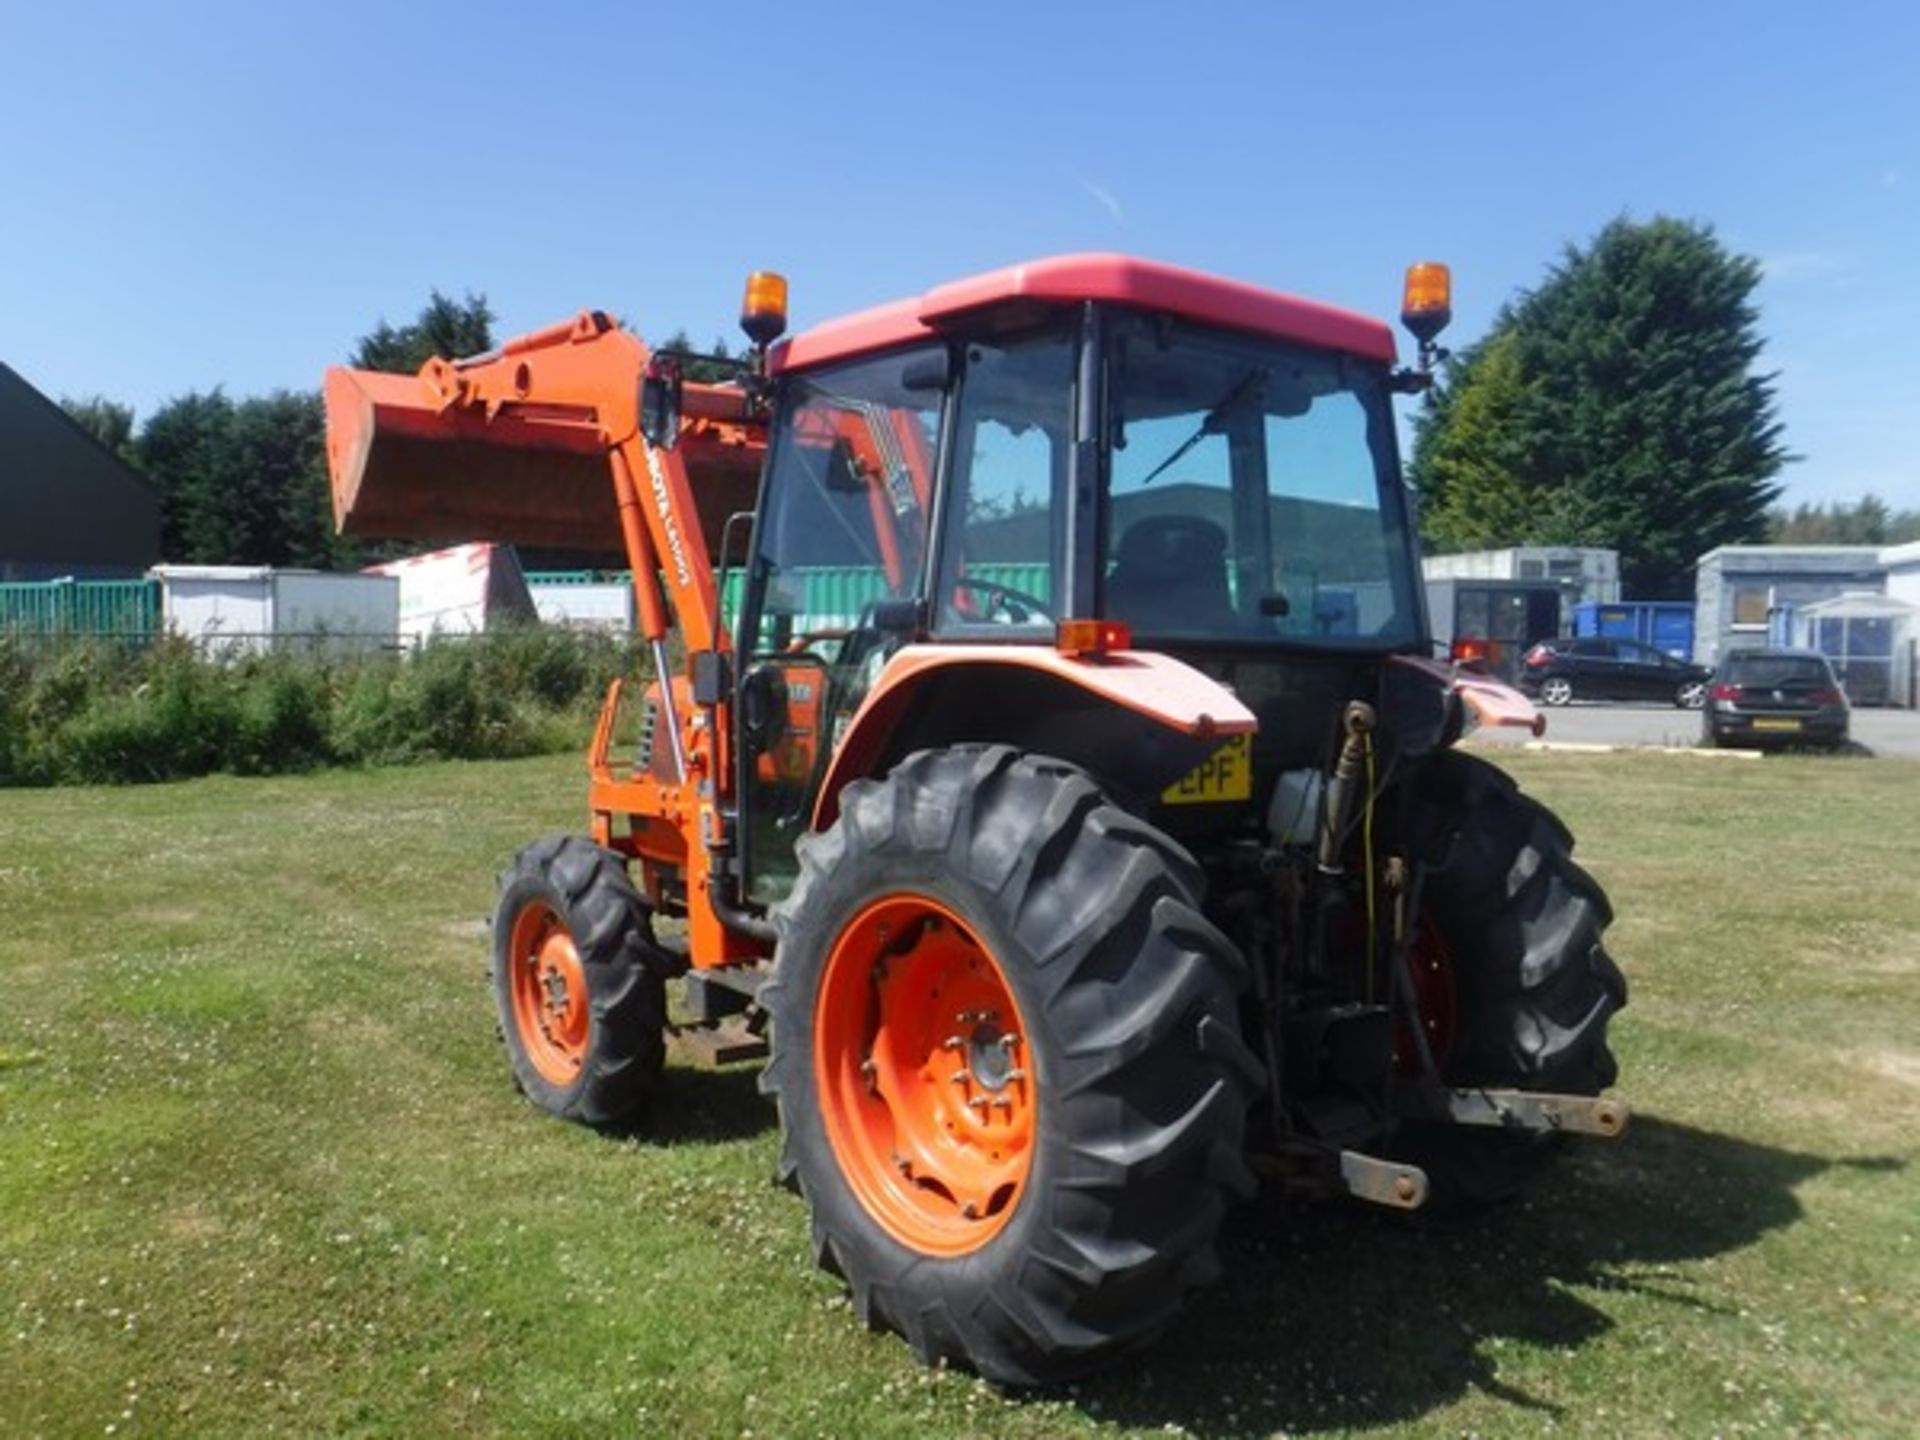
(1011, 1084)
(579, 982)
(1533, 988)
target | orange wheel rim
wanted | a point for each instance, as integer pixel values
(549, 992)
(925, 1082)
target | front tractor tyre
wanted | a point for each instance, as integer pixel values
(1008, 1066)
(579, 982)
(1530, 988)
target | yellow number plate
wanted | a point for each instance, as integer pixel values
(1227, 774)
(1776, 724)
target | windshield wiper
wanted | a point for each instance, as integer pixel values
(1214, 421)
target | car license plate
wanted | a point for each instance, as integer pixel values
(1776, 724)
(1227, 774)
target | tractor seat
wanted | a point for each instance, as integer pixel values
(1170, 574)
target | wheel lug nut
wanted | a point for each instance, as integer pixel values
(961, 1077)
(953, 1042)
(1009, 1042)
(978, 1102)
(1016, 1074)
(970, 1211)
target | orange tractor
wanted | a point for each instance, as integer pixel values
(1052, 770)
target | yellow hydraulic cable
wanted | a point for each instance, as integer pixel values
(1366, 849)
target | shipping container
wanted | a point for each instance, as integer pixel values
(1664, 624)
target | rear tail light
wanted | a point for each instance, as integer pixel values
(1829, 697)
(1469, 648)
(1540, 655)
(1726, 692)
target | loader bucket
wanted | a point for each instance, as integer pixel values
(404, 468)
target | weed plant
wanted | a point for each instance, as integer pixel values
(103, 713)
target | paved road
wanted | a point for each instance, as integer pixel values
(1892, 733)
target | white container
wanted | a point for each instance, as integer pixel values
(247, 609)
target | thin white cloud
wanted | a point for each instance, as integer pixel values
(1106, 199)
(1792, 265)
(1890, 178)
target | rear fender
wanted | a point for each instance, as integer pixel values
(1137, 719)
(1428, 704)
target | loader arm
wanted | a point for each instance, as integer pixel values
(539, 442)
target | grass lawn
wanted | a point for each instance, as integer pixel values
(261, 1169)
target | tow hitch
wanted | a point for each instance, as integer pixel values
(1533, 1110)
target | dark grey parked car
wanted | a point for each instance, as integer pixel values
(1776, 697)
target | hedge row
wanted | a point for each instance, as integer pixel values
(89, 715)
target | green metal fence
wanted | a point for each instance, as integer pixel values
(80, 609)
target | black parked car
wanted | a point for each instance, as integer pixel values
(1775, 697)
(1599, 667)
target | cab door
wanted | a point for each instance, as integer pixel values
(838, 557)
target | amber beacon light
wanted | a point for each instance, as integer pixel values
(1427, 303)
(763, 313)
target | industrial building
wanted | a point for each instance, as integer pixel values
(1857, 604)
(68, 506)
(1745, 596)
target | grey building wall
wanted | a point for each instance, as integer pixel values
(67, 505)
(1736, 587)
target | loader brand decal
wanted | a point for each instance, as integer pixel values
(1227, 774)
(900, 491)
(676, 547)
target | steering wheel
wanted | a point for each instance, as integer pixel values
(1018, 605)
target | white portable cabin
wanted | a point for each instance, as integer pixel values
(583, 604)
(248, 609)
(1585, 575)
(458, 591)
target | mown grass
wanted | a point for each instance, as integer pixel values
(261, 1171)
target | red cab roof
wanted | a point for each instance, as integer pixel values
(1066, 279)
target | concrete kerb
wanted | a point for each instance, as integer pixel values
(1582, 747)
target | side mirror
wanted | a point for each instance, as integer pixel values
(763, 708)
(660, 403)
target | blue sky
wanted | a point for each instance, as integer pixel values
(199, 195)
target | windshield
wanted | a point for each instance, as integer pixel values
(1253, 492)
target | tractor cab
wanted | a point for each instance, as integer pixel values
(1205, 471)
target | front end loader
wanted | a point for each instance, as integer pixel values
(1044, 762)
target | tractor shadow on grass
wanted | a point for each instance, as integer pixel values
(1331, 1316)
(702, 1105)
